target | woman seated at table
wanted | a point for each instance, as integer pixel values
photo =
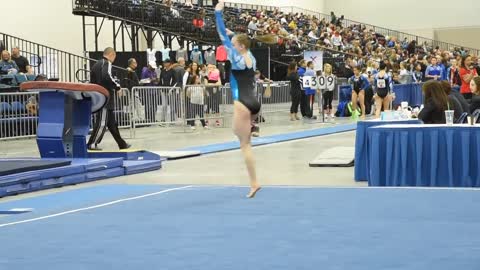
(475, 88)
(460, 102)
(436, 103)
(383, 85)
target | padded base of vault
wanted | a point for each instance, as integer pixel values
(8, 167)
(140, 166)
(62, 172)
(335, 157)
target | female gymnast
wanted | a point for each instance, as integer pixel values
(242, 82)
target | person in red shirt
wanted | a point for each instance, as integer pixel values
(467, 73)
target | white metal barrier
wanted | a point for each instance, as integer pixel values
(211, 105)
(156, 106)
(18, 115)
(205, 103)
(274, 97)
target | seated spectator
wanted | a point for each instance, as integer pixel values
(433, 71)
(475, 87)
(252, 26)
(418, 74)
(404, 75)
(436, 103)
(22, 62)
(460, 102)
(7, 65)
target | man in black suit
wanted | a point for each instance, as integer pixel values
(101, 74)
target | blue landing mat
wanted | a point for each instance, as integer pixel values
(8, 167)
(125, 155)
(80, 170)
(219, 147)
(282, 228)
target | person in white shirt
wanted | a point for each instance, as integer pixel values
(328, 84)
(337, 41)
(252, 26)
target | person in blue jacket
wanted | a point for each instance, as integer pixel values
(242, 82)
(359, 84)
(310, 91)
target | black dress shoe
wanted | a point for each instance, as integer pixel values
(96, 148)
(127, 146)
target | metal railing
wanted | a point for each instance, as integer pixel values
(204, 105)
(347, 22)
(53, 63)
(211, 105)
(18, 115)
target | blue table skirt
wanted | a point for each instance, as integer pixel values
(439, 156)
(361, 170)
(412, 93)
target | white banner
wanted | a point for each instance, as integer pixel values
(316, 57)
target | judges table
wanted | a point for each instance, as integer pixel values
(424, 155)
(361, 169)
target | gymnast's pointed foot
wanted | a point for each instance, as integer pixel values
(253, 192)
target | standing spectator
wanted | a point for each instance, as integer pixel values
(195, 56)
(467, 73)
(328, 88)
(7, 66)
(454, 75)
(203, 73)
(22, 62)
(166, 75)
(209, 56)
(310, 92)
(333, 18)
(213, 90)
(433, 71)
(301, 73)
(149, 74)
(131, 80)
(443, 65)
(412, 47)
(195, 94)
(178, 72)
(295, 90)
